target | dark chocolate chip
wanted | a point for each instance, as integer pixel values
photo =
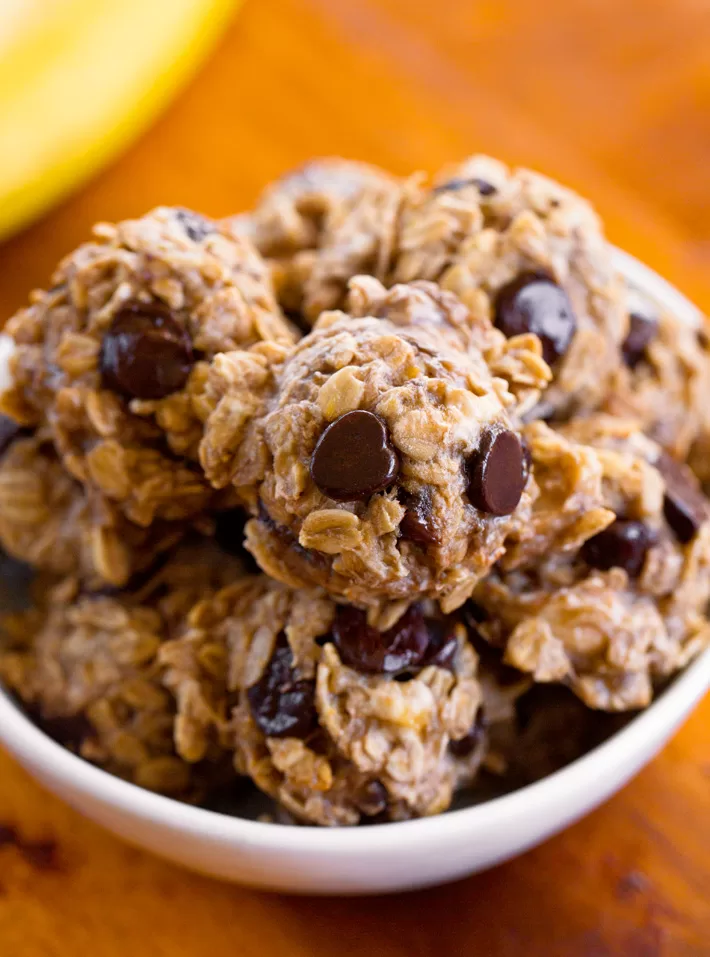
(642, 331)
(483, 186)
(497, 473)
(146, 353)
(417, 524)
(281, 703)
(463, 747)
(372, 799)
(9, 431)
(443, 644)
(364, 648)
(354, 457)
(684, 505)
(196, 226)
(533, 302)
(624, 544)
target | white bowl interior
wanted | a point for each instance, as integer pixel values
(380, 858)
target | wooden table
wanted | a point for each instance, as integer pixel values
(612, 98)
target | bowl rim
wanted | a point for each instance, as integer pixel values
(26, 741)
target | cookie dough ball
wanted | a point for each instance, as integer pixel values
(381, 464)
(86, 666)
(53, 523)
(322, 224)
(303, 694)
(531, 255)
(627, 608)
(664, 382)
(113, 358)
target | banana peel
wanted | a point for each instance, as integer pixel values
(80, 78)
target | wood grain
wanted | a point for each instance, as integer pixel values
(614, 100)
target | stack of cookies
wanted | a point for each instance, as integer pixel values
(316, 493)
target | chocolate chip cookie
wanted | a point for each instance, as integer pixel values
(86, 665)
(380, 463)
(625, 609)
(112, 359)
(336, 719)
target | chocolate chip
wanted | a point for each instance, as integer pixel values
(483, 186)
(624, 544)
(642, 331)
(443, 644)
(497, 473)
(364, 648)
(9, 431)
(146, 353)
(417, 524)
(533, 302)
(372, 799)
(684, 505)
(196, 226)
(354, 457)
(463, 747)
(281, 703)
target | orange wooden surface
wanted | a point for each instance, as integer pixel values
(612, 97)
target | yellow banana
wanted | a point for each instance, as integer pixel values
(80, 78)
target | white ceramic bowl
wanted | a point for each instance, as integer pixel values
(367, 860)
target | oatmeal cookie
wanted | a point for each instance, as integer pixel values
(320, 225)
(380, 463)
(664, 383)
(625, 610)
(336, 720)
(530, 254)
(87, 667)
(113, 358)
